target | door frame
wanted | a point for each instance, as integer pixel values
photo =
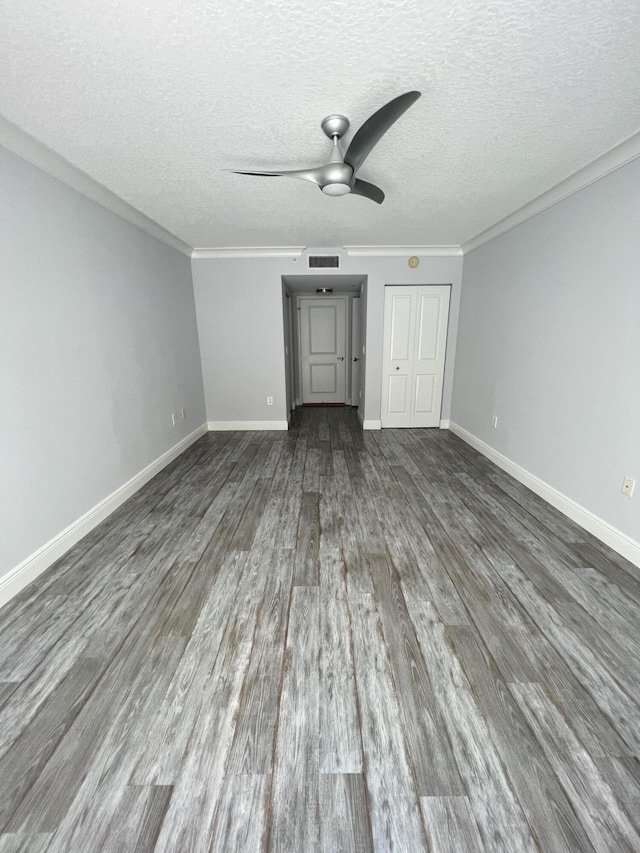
(355, 352)
(303, 297)
(295, 351)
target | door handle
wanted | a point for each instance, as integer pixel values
(356, 359)
(340, 358)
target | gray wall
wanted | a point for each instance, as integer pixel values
(241, 332)
(549, 341)
(98, 346)
(239, 308)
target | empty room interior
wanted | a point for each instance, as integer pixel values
(320, 528)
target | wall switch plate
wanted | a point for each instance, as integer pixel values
(628, 485)
(269, 401)
(174, 419)
(494, 422)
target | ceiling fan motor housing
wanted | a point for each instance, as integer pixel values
(337, 174)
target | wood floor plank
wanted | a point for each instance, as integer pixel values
(493, 504)
(24, 762)
(602, 684)
(244, 460)
(412, 555)
(102, 540)
(331, 519)
(429, 752)
(494, 804)
(272, 460)
(621, 657)
(137, 821)
(252, 751)
(353, 541)
(22, 649)
(246, 530)
(161, 759)
(340, 738)
(605, 821)
(311, 481)
(201, 772)
(117, 603)
(241, 817)
(295, 818)
(344, 814)
(549, 813)
(356, 557)
(611, 566)
(308, 541)
(623, 777)
(469, 569)
(606, 602)
(7, 688)
(77, 578)
(49, 799)
(277, 528)
(103, 800)
(450, 825)
(16, 843)
(412, 550)
(395, 817)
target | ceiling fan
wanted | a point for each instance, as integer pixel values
(338, 175)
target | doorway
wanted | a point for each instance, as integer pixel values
(323, 348)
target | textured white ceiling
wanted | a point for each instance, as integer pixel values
(155, 99)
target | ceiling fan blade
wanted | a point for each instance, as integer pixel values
(313, 175)
(375, 127)
(367, 190)
(261, 174)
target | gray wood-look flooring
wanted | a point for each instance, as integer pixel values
(325, 640)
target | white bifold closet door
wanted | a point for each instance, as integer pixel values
(415, 339)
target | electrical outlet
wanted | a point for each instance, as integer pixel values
(269, 401)
(174, 419)
(494, 422)
(628, 485)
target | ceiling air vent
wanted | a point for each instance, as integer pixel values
(317, 262)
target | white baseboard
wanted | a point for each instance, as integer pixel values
(611, 536)
(371, 424)
(17, 578)
(246, 426)
(445, 424)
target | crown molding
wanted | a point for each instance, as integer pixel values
(248, 252)
(351, 251)
(402, 251)
(30, 149)
(614, 159)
